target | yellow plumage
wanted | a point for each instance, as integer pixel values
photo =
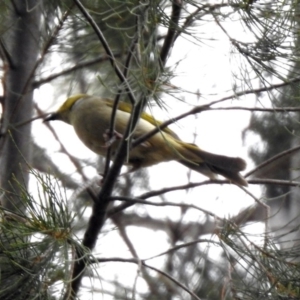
(90, 116)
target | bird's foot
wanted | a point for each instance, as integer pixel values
(110, 139)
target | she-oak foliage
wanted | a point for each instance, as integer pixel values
(121, 49)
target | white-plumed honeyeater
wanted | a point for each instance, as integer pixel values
(90, 116)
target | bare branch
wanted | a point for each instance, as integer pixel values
(254, 109)
(184, 245)
(99, 212)
(46, 47)
(117, 99)
(78, 66)
(134, 261)
(141, 201)
(131, 202)
(106, 47)
(272, 159)
(201, 108)
(172, 30)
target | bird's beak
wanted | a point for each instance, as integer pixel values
(51, 117)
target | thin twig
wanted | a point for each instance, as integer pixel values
(72, 158)
(267, 215)
(129, 203)
(78, 66)
(201, 108)
(116, 103)
(49, 44)
(173, 280)
(204, 7)
(254, 109)
(107, 49)
(134, 261)
(141, 200)
(122, 230)
(272, 159)
(184, 245)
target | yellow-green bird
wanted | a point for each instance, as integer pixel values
(90, 116)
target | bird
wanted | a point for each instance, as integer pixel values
(90, 117)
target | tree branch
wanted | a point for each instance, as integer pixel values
(272, 159)
(116, 102)
(134, 261)
(201, 108)
(78, 66)
(107, 49)
(172, 30)
(99, 212)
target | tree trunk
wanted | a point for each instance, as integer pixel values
(21, 46)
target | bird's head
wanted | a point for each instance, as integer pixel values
(63, 113)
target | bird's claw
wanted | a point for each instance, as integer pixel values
(110, 139)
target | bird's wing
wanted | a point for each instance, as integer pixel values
(127, 108)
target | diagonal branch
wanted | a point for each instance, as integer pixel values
(78, 66)
(172, 31)
(272, 159)
(99, 212)
(199, 109)
(107, 49)
(134, 261)
(116, 102)
(130, 202)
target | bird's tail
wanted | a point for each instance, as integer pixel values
(211, 164)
